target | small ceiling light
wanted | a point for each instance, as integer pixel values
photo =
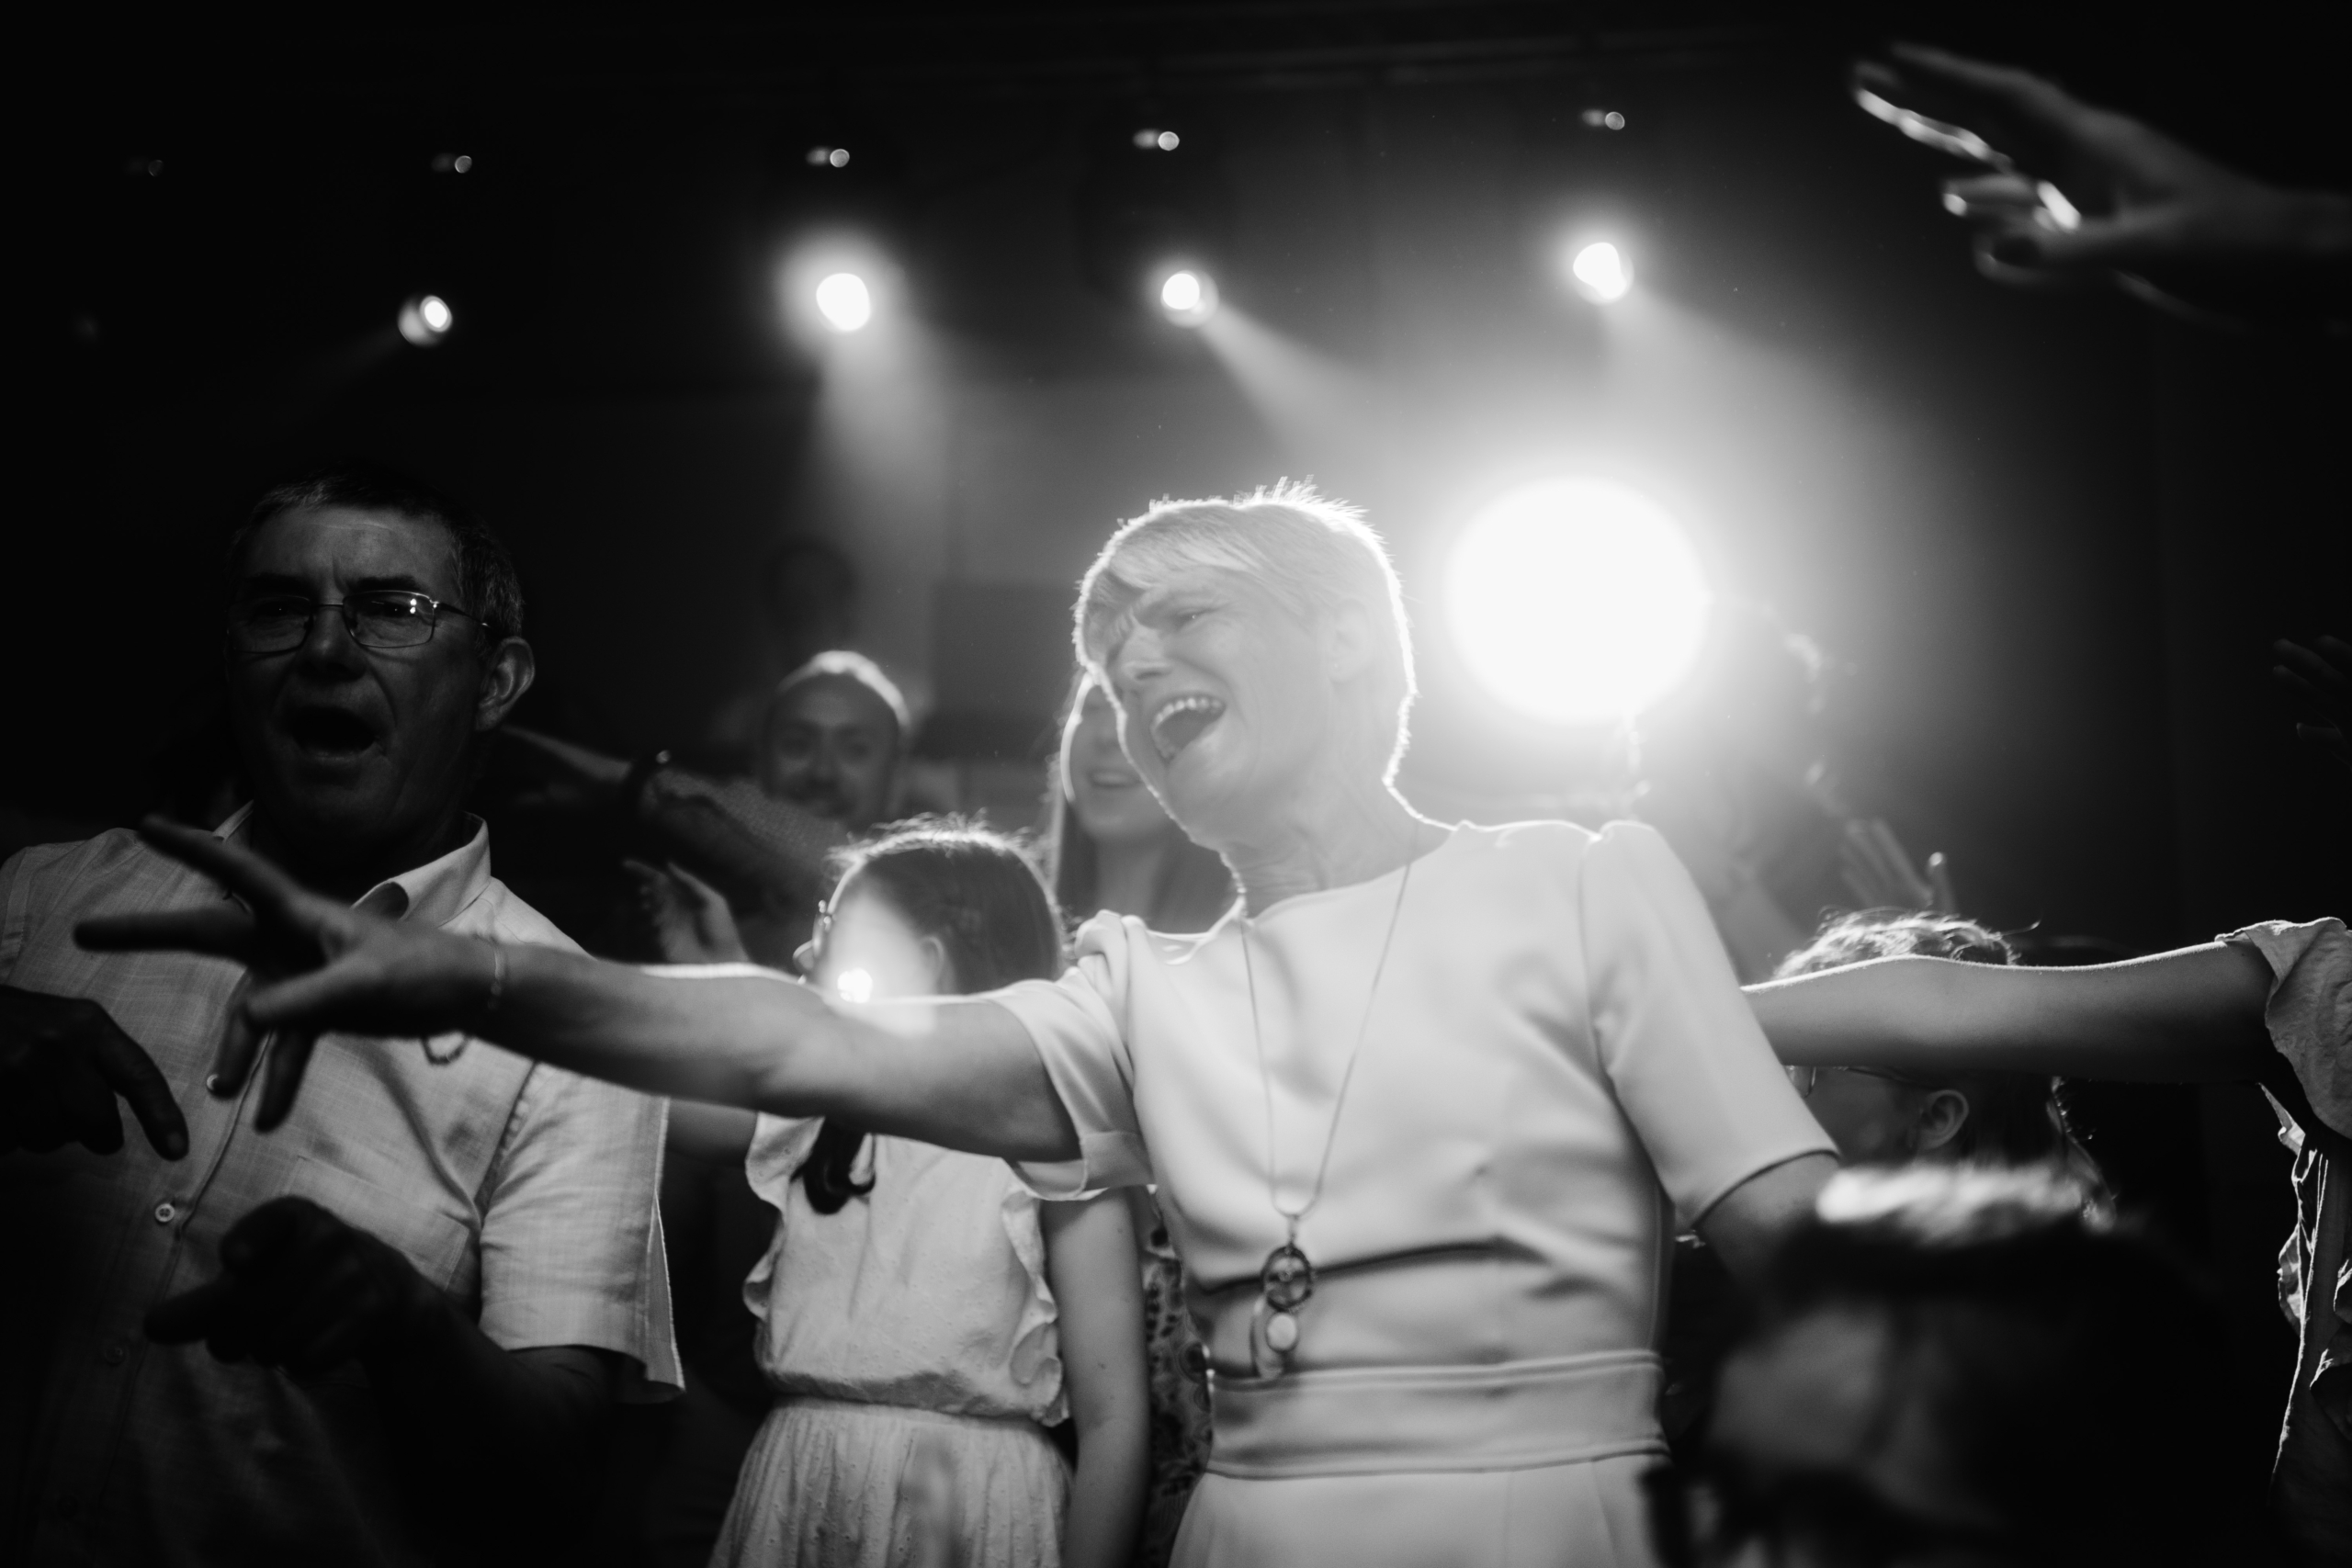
(1188, 297)
(426, 319)
(452, 163)
(823, 157)
(1603, 119)
(844, 301)
(1151, 140)
(1601, 272)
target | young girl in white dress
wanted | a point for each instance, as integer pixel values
(924, 1318)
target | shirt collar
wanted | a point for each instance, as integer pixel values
(433, 892)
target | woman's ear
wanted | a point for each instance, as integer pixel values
(1941, 1116)
(1349, 646)
(940, 966)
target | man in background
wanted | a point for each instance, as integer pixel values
(384, 1328)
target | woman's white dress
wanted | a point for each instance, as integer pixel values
(910, 1338)
(1558, 1068)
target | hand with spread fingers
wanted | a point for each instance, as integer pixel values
(300, 1289)
(64, 1063)
(322, 964)
(2079, 193)
(2320, 680)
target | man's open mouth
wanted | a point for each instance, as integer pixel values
(330, 731)
(1180, 722)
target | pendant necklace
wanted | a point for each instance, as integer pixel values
(1287, 1281)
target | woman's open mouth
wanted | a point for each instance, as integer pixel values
(1181, 721)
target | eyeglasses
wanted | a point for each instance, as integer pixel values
(1709, 1514)
(1805, 1078)
(382, 617)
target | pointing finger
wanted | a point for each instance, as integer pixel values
(134, 1075)
(193, 1314)
(224, 932)
(281, 1079)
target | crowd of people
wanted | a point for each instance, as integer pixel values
(1241, 1168)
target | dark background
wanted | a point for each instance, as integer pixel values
(2045, 538)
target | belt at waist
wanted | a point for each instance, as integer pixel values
(1504, 1416)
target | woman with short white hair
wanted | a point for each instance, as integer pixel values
(1425, 1108)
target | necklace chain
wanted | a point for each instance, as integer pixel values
(1346, 1076)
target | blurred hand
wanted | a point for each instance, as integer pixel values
(63, 1062)
(2320, 678)
(332, 967)
(571, 777)
(691, 920)
(2086, 193)
(301, 1290)
(1878, 871)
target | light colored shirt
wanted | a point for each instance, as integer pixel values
(928, 1292)
(527, 1193)
(1556, 1063)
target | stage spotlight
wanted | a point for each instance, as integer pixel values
(1601, 272)
(1577, 601)
(1188, 297)
(426, 319)
(844, 301)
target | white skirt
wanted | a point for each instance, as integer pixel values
(836, 1484)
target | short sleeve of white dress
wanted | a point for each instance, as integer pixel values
(1078, 1025)
(1685, 1054)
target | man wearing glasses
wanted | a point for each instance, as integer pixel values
(388, 1329)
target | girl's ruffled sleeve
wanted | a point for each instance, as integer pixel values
(2310, 1010)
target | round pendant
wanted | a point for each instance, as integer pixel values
(1281, 1332)
(1287, 1280)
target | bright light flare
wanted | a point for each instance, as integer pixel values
(1602, 274)
(426, 319)
(854, 985)
(844, 301)
(1188, 297)
(1577, 601)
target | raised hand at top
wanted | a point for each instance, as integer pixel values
(2081, 193)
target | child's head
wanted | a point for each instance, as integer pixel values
(937, 909)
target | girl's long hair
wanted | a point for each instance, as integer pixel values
(1194, 887)
(975, 892)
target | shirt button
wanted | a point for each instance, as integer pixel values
(166, 1213)
(114, 1353)
(212, 1083)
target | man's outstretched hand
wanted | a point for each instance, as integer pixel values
(63, 1062)
(324, 966)
(2132, 203)
(301, 1290)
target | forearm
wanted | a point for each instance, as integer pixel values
(2194, 1014)
(1106, 1495)
(739, 837)
(957, 1073)
(493, 1447)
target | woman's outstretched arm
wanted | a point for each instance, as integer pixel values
(959, 1073)
(2193, 1014)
